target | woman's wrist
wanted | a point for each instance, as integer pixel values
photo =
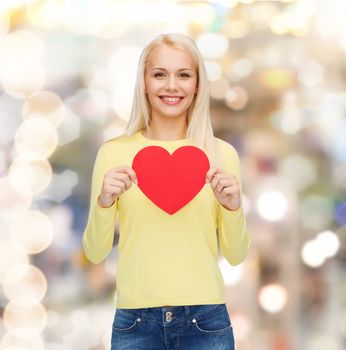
(104, 203)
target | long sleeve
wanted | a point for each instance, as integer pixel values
(99, 232)
(234, 237)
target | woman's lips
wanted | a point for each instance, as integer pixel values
(171, 100)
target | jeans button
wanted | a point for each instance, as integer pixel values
(168, 316)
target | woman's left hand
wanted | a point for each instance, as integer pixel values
(225, 187)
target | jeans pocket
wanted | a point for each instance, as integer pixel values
(124, 322)
(217, 322)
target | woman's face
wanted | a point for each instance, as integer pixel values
(170, 81)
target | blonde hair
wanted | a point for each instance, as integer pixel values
(198, 115)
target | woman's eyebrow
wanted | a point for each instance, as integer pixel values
(178, 69)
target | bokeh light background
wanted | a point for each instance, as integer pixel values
(277, 72)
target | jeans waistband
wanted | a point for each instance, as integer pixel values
(177, 313)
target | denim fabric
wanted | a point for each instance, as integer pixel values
(192, 327)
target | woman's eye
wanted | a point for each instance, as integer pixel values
(185, 75)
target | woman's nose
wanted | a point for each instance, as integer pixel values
(172, 83)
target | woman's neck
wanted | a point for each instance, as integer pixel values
(164, 135)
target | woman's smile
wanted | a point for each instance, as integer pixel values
(171, 100)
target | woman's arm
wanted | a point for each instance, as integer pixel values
(234, 237)
(99, 232)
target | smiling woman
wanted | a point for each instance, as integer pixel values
(170, 291)
(171, 66)
(168, 84)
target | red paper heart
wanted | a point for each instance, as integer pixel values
(171, 181)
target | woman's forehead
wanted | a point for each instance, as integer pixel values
(164, 55)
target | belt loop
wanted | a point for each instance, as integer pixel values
(144, 314)
(187, 313)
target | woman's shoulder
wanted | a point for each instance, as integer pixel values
(117, 143)
(118, 140)
(226, 147)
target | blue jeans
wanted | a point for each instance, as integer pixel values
(192, 327)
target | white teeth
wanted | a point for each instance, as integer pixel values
(171, 99)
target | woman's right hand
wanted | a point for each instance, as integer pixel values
(115, 182)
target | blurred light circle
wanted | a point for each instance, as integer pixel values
(25, 281)
(201, 14)
(247, 203)
(12, 203)
(231, 275)
(70, 128)
(272, 205)
(272, 298)
(295, 22)
(277, 79)
(236, 98)
(312, 254)
(340, 213)
(240, 69)
(46, 14)
(20, 46)
(212, 45)
(79, 15)
(112, 131)
(337, 145)
(228, 3)
(339, 181)
(265, 143)
(9, 339)
(299, 170)
(44, 104)
(3, 166)
(214, 70)
(343, 324)
(86, 329)
(11, 255)
(329, 243)
(9, 120)
(96, 78)
(5, 228)
(235, 29)
(25, 317)
(279, 25)
(23, 81)
(242, 324)
(4, 23)
(90, 104)
(61, 217)
(311, 73)
(322, 342)
(20, 63)
(36, 138)
(105, 21)
(218, 88)
(331, 126)
(33, 232)
(30, 176)
(316, 211)
(290, 118)
(260, 15)
(123, 66)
